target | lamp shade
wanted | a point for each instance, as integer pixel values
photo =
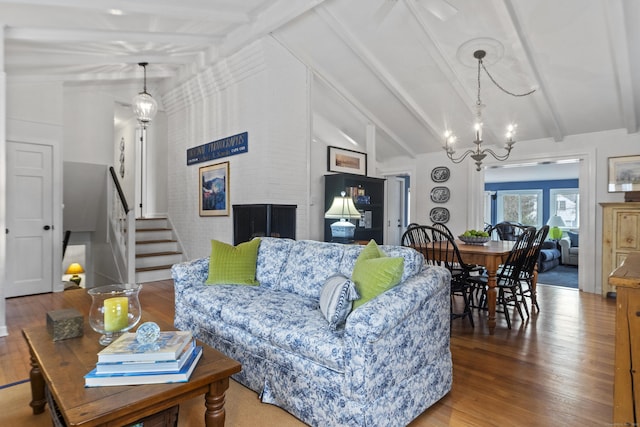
(556, 221)
(74, 268)
(342, 208)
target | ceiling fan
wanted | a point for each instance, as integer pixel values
(441, 9)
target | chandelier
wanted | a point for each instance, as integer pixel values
(144, 106)
(479, 153)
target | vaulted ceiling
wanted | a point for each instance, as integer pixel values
(403, 66)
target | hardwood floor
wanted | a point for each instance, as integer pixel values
(555, 369)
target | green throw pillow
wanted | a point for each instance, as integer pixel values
(233, 265)
(375, 273)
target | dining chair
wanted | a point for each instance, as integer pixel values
(438, 246)
(528, 272)
(442, 227)
(416, 237)
(508, 278)
(508, 230)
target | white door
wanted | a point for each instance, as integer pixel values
(29, 219)
(395, 210)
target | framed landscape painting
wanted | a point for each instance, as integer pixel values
(214, 190)
(624, 174)
(347, 161)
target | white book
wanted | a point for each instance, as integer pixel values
(92, 379)
(147, 366)
(125, 348)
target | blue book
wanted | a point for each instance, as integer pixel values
(126, 348)
(144, 366)
(93, 379)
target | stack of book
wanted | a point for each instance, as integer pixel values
(172, 358)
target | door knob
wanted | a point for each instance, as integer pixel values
(46, 227)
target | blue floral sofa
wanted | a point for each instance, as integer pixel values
(389, 362)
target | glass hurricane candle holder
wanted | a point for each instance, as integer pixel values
(114, 309)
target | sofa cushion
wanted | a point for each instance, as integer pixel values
(574, 238)
(375, 273)
(336, 299)
(287, 321)
(233, 264)
(309, 264)
(549, 254)
(272, 256)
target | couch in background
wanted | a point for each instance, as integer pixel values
(569, 246)
(549, 257)
(387, 363)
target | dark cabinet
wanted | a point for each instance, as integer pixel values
(259, 220)
(368, 196)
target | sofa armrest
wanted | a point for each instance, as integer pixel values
(407, 326)
(565, 244)
(189, 273)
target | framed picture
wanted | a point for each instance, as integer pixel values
(347, 161)
(214, 190)
(624, 174)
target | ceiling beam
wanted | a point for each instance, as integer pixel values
(378, 69)
(440, 59)
(350, 99)
(276, 16)
(550, 117)
(78, 36)
(619, 50)
(70, 75)
(143, 7)
(37, 59)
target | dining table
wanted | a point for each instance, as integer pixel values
(489, 255)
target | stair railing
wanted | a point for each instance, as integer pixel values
(122, 230)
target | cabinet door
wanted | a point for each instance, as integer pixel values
(626, 231)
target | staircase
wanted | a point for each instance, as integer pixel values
(157, 249)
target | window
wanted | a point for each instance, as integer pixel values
(523, 206)
(566, 203)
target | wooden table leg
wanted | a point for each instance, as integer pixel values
(214, 403)
(491, 300)
(37, 385)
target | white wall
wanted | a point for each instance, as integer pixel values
(261, 90)
(466, 186)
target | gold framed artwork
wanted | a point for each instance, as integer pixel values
(214, 190)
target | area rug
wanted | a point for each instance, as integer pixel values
(562, 275)
(243, 408)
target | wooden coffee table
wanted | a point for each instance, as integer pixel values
(63, 364)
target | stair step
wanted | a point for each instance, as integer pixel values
(158, 254)
(144, 223)
(154, 234)
(154, 268)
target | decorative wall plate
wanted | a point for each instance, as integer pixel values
(440, 194)
(440, 174)
(439, 215)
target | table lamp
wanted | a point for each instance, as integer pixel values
(343, 209)
(75, 269)
(554, 223)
